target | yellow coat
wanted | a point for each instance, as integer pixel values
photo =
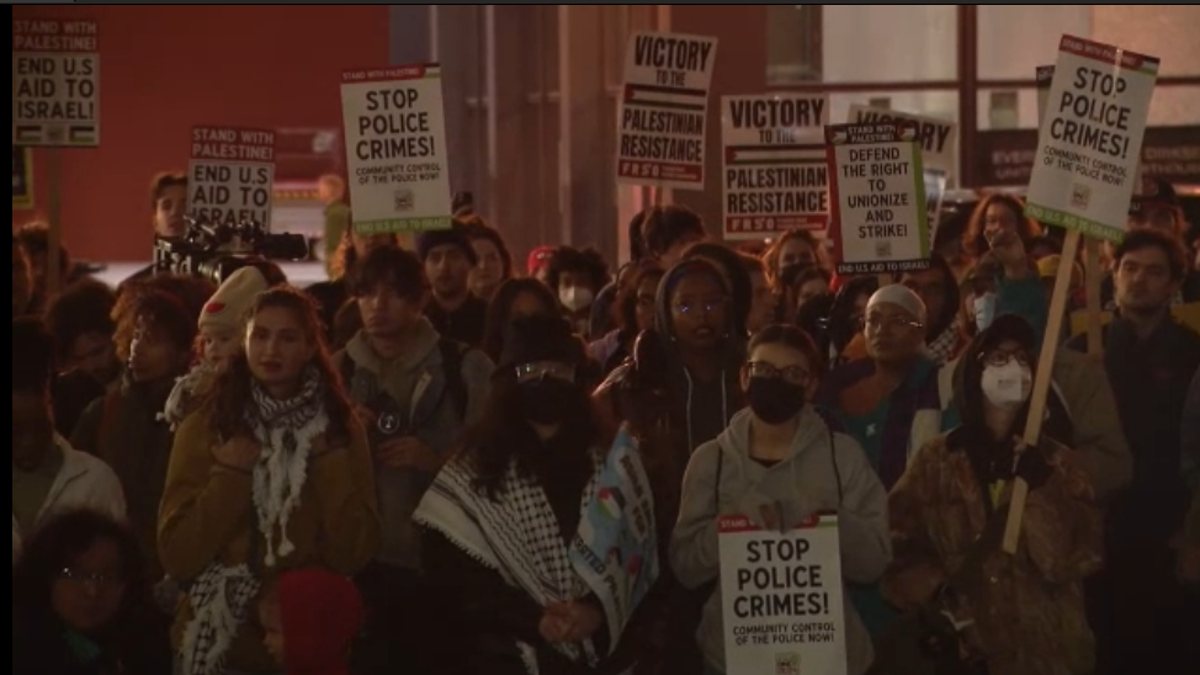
(206, 515)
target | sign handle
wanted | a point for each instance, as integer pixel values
(54, 279)
(1041, 387)
(1095, 345)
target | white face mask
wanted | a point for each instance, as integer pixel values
(1007, 386)
(575, 298)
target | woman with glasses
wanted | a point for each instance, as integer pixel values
(777, 463)
(1027, 609)
(502, 516)
(81, 602)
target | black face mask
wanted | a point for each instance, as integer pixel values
(548, 400)
(774, 400)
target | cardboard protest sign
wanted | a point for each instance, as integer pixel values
(880, 221)
(1091, 138)
(1044, 76)
(938, 138)
(615, 551)
(56, 83)
(782, 598)
(396, 151)
(774, 175)
(660, 128)
(22, 178)
(231, 175)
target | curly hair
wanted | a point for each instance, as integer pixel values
(192, 292)
(232, 390)
(588, 261)
(82, 308)
(974, 241)
(771, 257)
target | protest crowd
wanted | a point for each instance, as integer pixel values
(445, 459)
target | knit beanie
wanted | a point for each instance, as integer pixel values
(228, 306)
(540, 337)
(455, 236)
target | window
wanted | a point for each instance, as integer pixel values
(1016, 39)
(1166, 31)
(846, 44)
(793, 44)
(937, 104)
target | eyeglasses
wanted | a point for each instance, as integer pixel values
(528, 372)
(1002, 358)
(795, 374)
(894, 321)
(99, 580)
(701, 307)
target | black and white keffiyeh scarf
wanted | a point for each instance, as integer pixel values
(221, 596)
(942, 349)
(516, 534)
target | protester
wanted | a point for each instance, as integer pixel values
(331, 296)
(576, 276)
(124, 427)
(741, 300)
(501, 516)
(48, 475)
(668, 230)
(331, 192)
(448, 257)
(777, 463)
(514, 299)
(1027, 610)
(272, 473)
(495, 262)
(635, 314)
(221, 331)
(310, 618)
(80, 321)
(417, 392)
(762, 298)
(1150, 359)
(168, 203)
(81, 602)
(944, 335)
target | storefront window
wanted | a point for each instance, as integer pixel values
(1016, 39)
(861, 43)
(1166, 31)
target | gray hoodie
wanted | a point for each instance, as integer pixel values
(805, 482)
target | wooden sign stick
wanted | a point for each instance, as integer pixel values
(1041, 386)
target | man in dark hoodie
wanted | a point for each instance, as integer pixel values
(453, 310)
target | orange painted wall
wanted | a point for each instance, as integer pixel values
(164, 69)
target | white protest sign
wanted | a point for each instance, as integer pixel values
(782, 598)
(231, 175)
(1044, 76)
(1090, 141)
(877, 188)
(56, 83)
(938, 138)
(660, 128)
(396, 152)
(774, 175)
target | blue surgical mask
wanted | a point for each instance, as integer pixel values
(985, 311)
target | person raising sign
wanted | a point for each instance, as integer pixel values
(777, 463)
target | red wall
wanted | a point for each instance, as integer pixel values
(164, 69)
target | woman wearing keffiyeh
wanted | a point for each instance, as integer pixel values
(273, 472)
(502, 515)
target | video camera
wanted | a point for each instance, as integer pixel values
(216, 250)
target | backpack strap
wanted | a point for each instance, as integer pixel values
(453, 355)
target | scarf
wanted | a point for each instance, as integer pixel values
(187, 393)
(221, 596)
(944, 347)
(516, 534)
(286, 430)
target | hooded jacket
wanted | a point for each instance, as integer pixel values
(701, 410)
(824, 471)
(321, 613)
